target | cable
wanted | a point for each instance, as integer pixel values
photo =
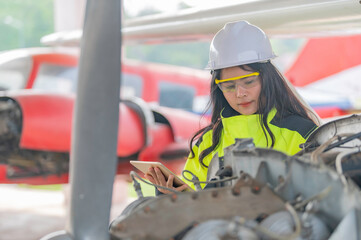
(137, 187)
(134, 174)
(317, 197)
(338, 163)
(340, 142)
(315, 154)
(206, 182)
(324, 147)
(273, 235)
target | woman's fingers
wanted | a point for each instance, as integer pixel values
(181, 188)
(155, 176)
(150, 178)
(170, 181)
(170, 184)
(160, 176)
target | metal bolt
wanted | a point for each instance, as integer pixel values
(174, 197)
(119, 227)
(214, 194)
(194, 196)
(146, 209)
(236, 192)
(255, 189)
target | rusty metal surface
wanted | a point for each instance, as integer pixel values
(182, 210)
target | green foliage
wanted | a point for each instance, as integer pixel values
(183, 5)
(24, 22)
(286, 45)
(148, 11)
(195, 54)
(50, 187)
(192, 54)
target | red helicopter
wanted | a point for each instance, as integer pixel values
(36, 111)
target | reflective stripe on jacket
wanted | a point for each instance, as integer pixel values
(289, 133)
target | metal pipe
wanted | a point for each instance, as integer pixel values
(94, 140)
(95, 127)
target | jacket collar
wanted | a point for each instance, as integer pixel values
(229, 112)
(236, 125)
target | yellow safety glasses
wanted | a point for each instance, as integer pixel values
(230, 84)
(236, 78)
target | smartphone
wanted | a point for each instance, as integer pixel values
(144, 166)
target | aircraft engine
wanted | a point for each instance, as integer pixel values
(10, 123)
(22, 163)
(259, 193)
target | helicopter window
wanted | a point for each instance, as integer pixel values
(200, 105)
(132, 85)
(176, 95)
(55, 78)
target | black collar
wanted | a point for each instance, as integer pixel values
(228, 111)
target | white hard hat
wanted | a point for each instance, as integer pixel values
(239, 43)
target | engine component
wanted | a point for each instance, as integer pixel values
(10, 124)
(282, 223)
(220, 229)
(182, 211)
(279, 223)
(337, 144)
(261, 184)
(341, 127)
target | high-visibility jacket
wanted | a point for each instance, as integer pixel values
(289, 133)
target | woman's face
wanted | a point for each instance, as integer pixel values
(241, 94)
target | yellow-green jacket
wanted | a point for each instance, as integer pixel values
(289, 133)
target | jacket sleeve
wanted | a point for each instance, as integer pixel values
(195, 167)
(191, 166)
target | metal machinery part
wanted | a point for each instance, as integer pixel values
(276, 196)
(337, 144)
(10, 115)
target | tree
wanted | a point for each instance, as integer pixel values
(24, 22)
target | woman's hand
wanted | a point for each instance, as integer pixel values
(155, 176)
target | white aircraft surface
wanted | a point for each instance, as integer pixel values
(342, 90)
(278, 18)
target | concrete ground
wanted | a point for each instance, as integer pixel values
(30, 214)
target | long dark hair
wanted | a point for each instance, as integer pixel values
(275, 93)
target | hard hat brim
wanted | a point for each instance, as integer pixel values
(227, 65)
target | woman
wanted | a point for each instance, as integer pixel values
(249, 98)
